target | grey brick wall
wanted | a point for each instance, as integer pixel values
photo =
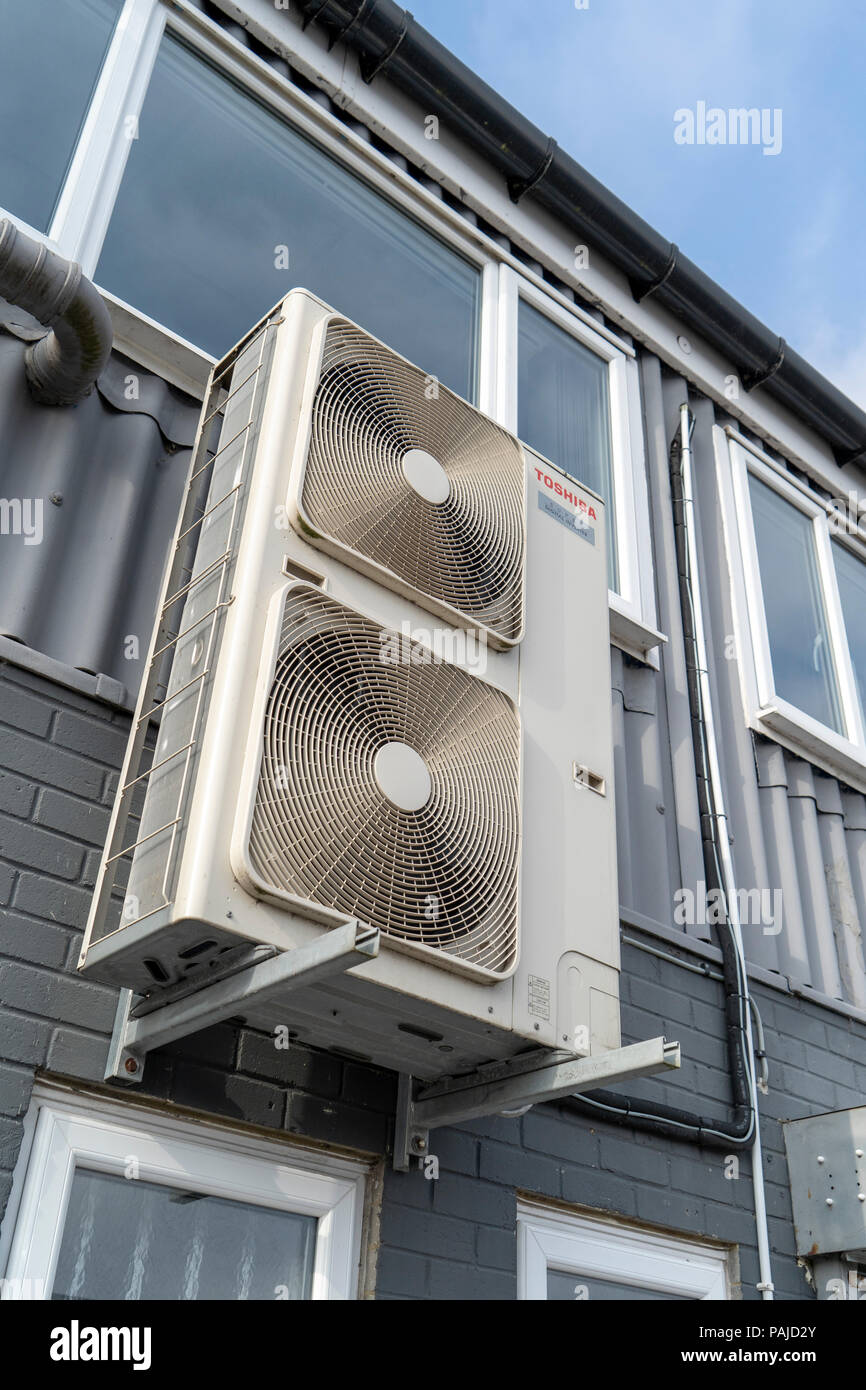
(452, 1238)
(817, 1062)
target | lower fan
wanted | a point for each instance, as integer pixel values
(389, 789)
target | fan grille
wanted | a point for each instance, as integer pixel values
(466, 552)
(443, 876)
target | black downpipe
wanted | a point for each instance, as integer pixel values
(388, 40)
(651, 1115)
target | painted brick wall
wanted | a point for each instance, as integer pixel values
(444, 1239)
(59, 755)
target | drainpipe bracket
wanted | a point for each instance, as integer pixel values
(640, 291)
(757, 378)
(370, 70)
(519, 187)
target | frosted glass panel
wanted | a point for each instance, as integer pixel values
(563, 1288)
(803, 671)
(51, 52)
(128, 1239)
(224, 208)
(563, 409)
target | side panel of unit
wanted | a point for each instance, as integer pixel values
(567, 984)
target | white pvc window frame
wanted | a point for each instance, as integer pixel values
(86, 202)
(632, 605)
(767, 712)
(594, 1247)
(67, 1131)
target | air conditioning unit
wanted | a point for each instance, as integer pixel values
(384, 652)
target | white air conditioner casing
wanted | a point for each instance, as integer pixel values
(520, 949)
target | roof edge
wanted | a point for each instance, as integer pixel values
(389, 42)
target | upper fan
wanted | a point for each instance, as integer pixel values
(412, 485)
(388, 791)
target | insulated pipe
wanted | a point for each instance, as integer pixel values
(388, 40)
(61, 367)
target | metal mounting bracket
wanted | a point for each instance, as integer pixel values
(513, 1085)
(142, 1025)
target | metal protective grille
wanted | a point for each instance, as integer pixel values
(466, 552)
(443, 876)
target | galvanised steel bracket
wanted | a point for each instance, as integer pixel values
(142, 1025)
(513, 1086)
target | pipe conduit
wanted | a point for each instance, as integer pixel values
(61, 367)
(743, 1131)
(389, 42)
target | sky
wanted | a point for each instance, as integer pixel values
(782, 232)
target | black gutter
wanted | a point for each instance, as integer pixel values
(389, 41)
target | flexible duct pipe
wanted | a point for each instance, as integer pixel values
(61, 367)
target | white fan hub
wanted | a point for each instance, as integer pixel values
(426, 476)
(402, 776)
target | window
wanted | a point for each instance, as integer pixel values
(851, 578)
(223, 208)
(50, 60)
(117, 1202)
(800, 617)
(569, 388)
(197, 185)
(563, 409)
(794, 604)
(564, 1256)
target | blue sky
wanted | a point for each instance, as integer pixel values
(783, 233)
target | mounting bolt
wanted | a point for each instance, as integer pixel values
(861, 1196)
(829, 1201)
(859, 1153)
(419, 1143)
(130, 1065)
(820, 1158)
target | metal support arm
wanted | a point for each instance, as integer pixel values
(502, 1088)
(137, 1034)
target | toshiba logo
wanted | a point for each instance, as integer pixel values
(562, 491)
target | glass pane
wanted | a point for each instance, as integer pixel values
(127, 1239)
(50, 56)
(851, 576)
(563, 409)
(803, 671)
(562, 1287)
(216, 185)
